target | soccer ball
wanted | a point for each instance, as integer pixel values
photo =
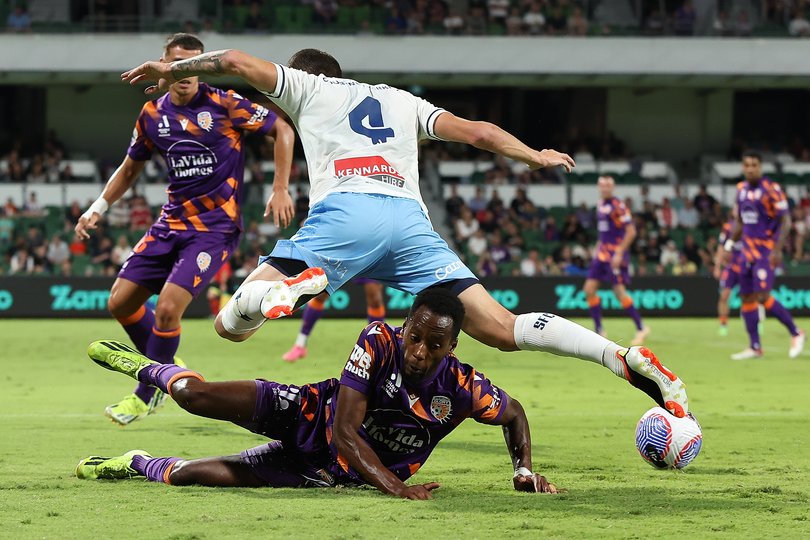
(668, 442)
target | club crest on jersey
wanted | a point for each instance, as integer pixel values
(205, 120)
(203, 261)
(440, 407)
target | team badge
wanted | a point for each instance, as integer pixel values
(203, 261)
(440, 407)
(205, 120)
(762, 274)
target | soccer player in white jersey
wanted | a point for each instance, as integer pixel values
(367, 217)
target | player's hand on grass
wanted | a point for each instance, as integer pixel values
(418, 492)
(534, 483)
(86, 223)
(159, 72)
(280, 206)
(552, 158)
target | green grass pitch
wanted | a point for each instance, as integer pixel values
(751, 479)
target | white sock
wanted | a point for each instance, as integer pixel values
(301, 340)
(557, 335)
(247, 300)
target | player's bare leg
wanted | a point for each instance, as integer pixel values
(490, 323)
(723, 310)
(226, 471)
(626, 301)
(375, 303)
(591, 288)
(265, 294)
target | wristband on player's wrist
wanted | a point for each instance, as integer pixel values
(522, 471)
(99, 206)
(728, 245)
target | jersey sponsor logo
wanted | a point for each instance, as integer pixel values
(374, 167)
(412, 399)
(392, 385)
(359, 362)
(164, 129)
(402, 435)
(496, 398)
(189, 159)
(258, 116)
(440, 407)
(762, 274)
(184, 123)
(205, 120)
(197, 281)
(749, 217)
(203, 261)
(445, 271)
(375, 331)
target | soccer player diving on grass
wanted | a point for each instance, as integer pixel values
(402, 390)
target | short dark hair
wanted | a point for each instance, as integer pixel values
(188, 42)
(316, 62)
(440, 302)
(752, 154)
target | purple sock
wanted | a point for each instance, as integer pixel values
(634, 314)
(154, 469)
(782, 315)
(140, 329)
(596, 315)
(311, 316)
(160, 375)
(751, 319)
(161, 347)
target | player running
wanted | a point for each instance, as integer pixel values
(761, 217)
(367, 217)
(199, 131)
(401, 392)
(375, 311)
(611, 260)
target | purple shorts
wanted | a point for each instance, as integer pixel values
(300, 456)
(601, 271)
(756, 276)
(188, 259)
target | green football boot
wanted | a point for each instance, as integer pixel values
(116, 468)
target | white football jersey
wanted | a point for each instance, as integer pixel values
(356, 137)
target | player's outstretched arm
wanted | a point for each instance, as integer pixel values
(351, 410)
(261, 74)
(519, 443)
(280, 205)
(118, 184)
(490, 137)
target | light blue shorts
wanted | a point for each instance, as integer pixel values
(389, 239)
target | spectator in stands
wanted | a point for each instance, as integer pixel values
(550, 232)
(704, 201)
(497, 250)
(67, 174)
(21, 262)
(477, 20)
(487, 222)
(498, 11)
(140, 217)
(18, 20)
(683, 23)
(670, 254)
(577, 24)
(513, 239)
(34, 238)
(454, 203)
(744, 27)
(479, 201)
(572, 229)
(119, 214)
(6, 228)
(652, 251)
(799, 26)
(477, 244)
(496, 205)
(32, 208)
(394, 22)
(486, 266)
(585, 216)
(77, 246)
(103, 256)
(691, 250)
(556, 20)
(520, 199)
(255, 23)
(666, 216)
(677, 201)
(324, 11)
(654, 23)
(58, 251)
(120, 252)
(10, 209)
(685, 267)
(514, 23)
(454, 23)
(465, 226)
(14, 168)
(688, 217)
(73, 213)
(531, 265)
(36, 171)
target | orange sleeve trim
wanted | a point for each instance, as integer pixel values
(183, 375)
(627, 302)
(378, 313)
(166, 333)
(769, 302)
(595, 301)
(749, 306)
(317, 304)
(132, 319)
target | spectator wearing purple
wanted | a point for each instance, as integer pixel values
(498, 251)
(486, 266)
(684, 19)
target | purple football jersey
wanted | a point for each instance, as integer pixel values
(202, 143)
(761, 207)
(613, 217)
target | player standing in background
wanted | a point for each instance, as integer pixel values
(375, 311)
(199, 130)
(762, 223)
(611, 260)
(401, 391)
(368, 219)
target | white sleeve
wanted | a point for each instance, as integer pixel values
(427, 113)
(293, 89)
